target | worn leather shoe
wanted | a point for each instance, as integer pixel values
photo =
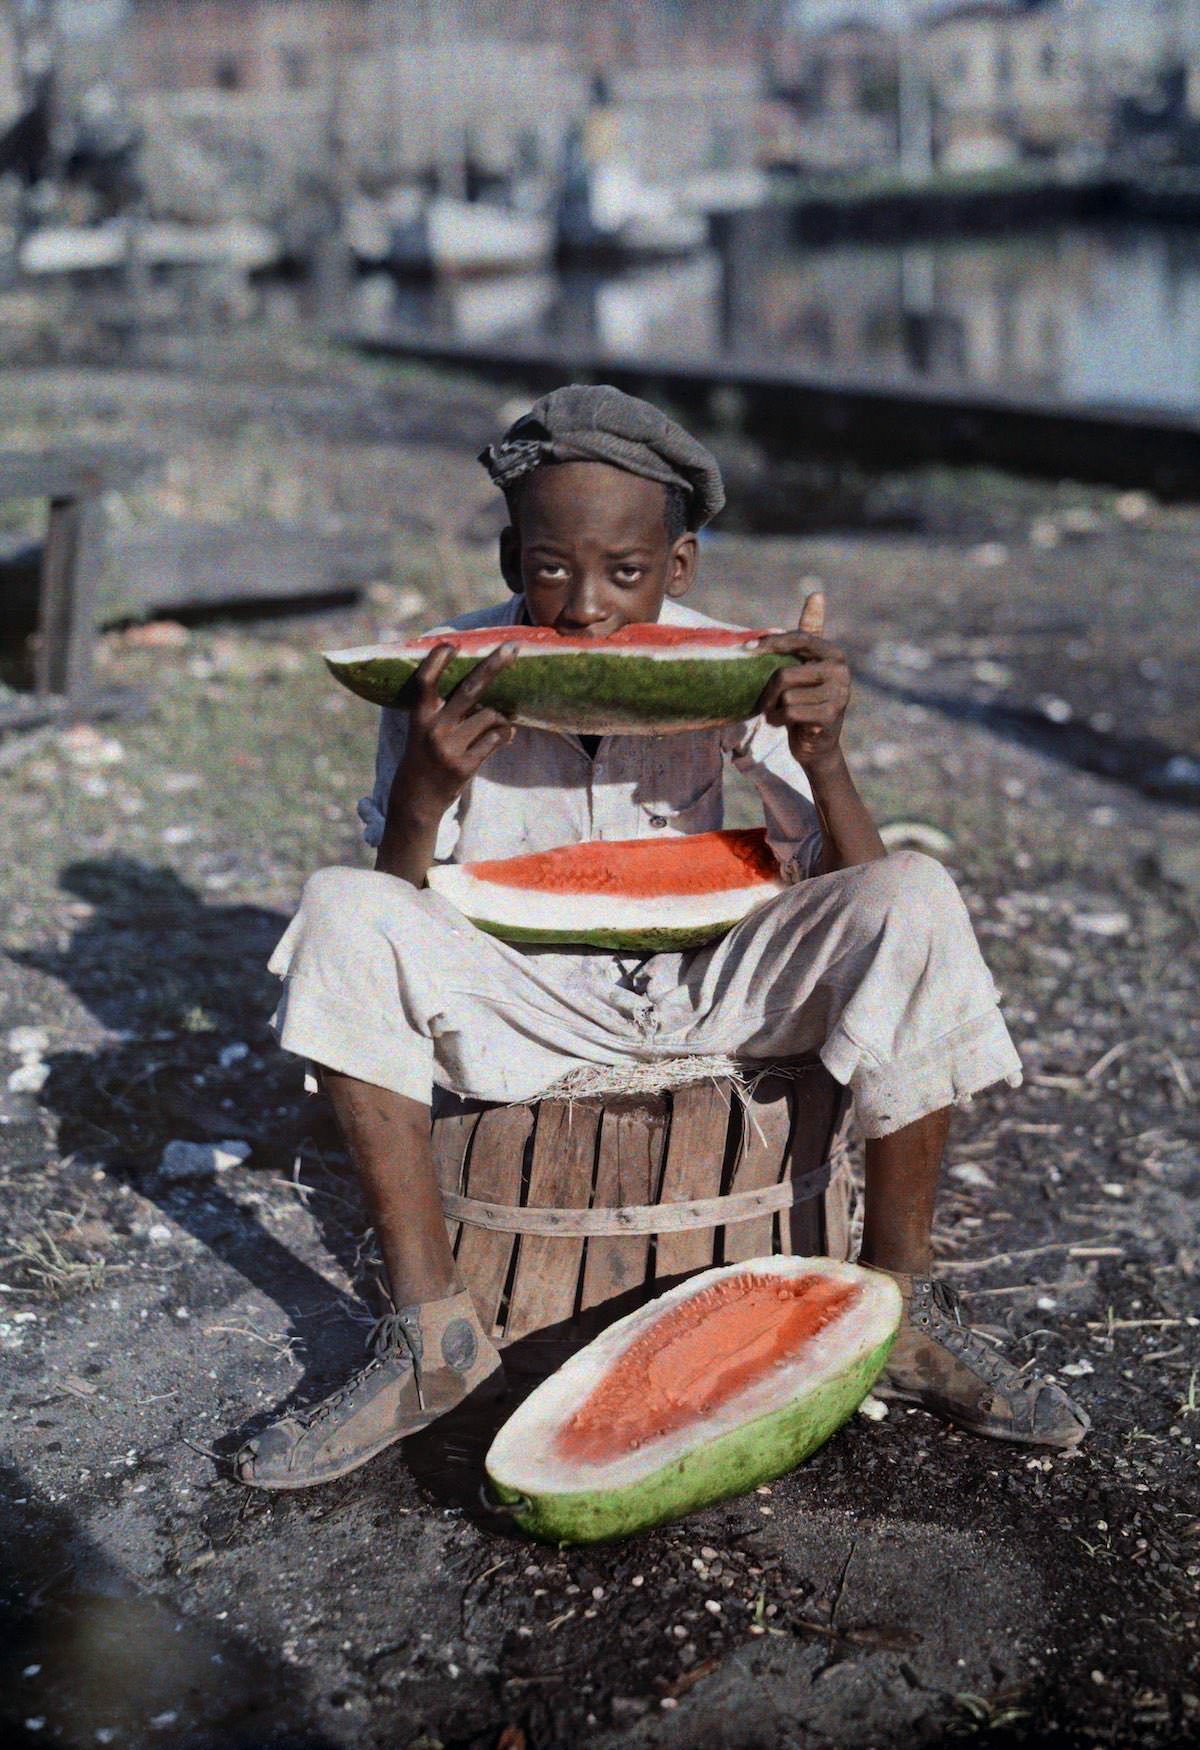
(425, 1359)
(938, 1363)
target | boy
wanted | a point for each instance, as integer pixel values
(867, 958)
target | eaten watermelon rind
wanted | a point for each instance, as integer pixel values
(724, 1453)
(733, 1464)
(647, 940)
(590, 692)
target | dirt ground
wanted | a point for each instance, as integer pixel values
(1027, 662)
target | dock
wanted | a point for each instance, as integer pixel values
(878, 424)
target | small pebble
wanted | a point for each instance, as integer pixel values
(597, 1593)
(638, 1580)
(30, 1077)
(712, 1606)
(668, 1702)
(27, 1041)
(709, 1554)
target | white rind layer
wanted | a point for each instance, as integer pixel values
(522, 1454)
(600, 647)
(529, 908)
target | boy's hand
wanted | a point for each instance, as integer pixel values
(449, 739)
(810, 698)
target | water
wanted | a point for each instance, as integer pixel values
(1074, 313)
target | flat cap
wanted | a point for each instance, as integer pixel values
(586, 423)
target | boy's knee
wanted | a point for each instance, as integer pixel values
(341, 899)
(910, 887)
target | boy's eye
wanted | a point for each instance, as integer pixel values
(552, 571)
(628, 573)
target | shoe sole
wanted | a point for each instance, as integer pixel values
(891, 1396)
(271, 1486)
(275, 1486)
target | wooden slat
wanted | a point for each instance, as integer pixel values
(497, 1155)
(695, 1155)
(819, 1102)
(835, 1209)
(449, 1139)
(560, 1175)
(71, 562)
(631, 1143)
(762, 1161)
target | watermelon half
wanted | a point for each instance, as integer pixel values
(644, 680)
(648, 894)
(716, 1386)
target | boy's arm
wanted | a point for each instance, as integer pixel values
(810, 701)
(409, 838)
(850, 835)
(448, 740)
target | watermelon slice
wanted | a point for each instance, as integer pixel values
(644, 680)
(647, 894)
(731, 1378)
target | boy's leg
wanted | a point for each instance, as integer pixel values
(430, 1352)
(878, 970)
(902, 1174)
(387, 1135)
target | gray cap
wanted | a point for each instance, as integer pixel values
(584, 423)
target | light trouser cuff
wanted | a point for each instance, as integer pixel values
(313, 1025)
(946, 1073)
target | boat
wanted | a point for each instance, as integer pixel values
(440, 235)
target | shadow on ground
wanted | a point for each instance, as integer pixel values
(174, 980)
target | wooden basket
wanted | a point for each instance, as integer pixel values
(557, 1207)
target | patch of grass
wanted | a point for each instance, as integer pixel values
(55, 1263)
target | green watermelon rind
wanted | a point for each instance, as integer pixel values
(651, 940)
(593, 694)
(733, 1464)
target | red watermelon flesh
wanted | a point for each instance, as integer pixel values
(702, 1354)
(702, 862)
(648, 894)
(636, 637)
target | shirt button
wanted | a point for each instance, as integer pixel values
(658, 820)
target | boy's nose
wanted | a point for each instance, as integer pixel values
(584, 608)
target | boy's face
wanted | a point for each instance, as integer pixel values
(592, 552)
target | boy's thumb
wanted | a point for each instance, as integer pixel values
(812, 615)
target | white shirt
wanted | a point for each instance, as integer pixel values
(542, 789)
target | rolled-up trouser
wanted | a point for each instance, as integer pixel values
(874, 968)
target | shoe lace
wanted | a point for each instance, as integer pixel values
(389, 1339)
(962, 1342)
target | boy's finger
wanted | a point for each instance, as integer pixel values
(812, 615)
(425, 679)
(474, 685)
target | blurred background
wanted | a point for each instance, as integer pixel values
(997, 194)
